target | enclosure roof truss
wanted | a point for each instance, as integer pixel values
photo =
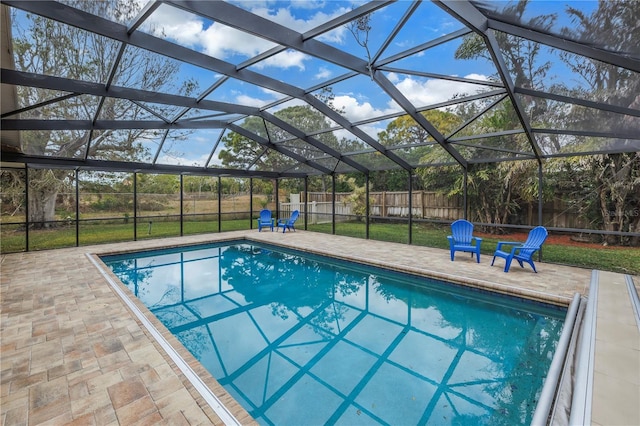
(380, 68)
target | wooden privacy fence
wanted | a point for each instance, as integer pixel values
(429, 205)
(425, 205)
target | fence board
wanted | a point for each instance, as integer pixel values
(434, 205)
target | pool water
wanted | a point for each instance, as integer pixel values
(301, 339)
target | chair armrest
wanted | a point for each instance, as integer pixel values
(508, 243)
(479, 239)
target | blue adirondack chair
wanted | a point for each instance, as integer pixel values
(462, 239)
(289, 223)
(522, 252)
(265, 220)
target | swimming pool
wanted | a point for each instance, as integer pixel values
(304, 339)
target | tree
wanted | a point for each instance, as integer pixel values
(405, 131)
(360, 29)
(498, 190)
(47, 47)
(614, 177)
(245, 153)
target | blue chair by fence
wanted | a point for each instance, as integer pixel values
(462, 239)
(265, 220)
(289, 223)
(522, 252)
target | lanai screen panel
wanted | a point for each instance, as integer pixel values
(169, 83)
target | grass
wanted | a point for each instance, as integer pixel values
(616, 259)
(622, 259)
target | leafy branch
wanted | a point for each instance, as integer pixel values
(360, 29)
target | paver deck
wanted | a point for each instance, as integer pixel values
(73, 353)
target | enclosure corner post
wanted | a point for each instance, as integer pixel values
(540, 204)
(465, 208)
(306, 200)
(135, 206)
(77, 176)
(250, 203)
(410, 172)
(219, 204)
(277, 191)
(368, 205)
(333, 204)
(181, 205)
(26, 207)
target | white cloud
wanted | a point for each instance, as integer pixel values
(432, 91)
(307, 4)
(221, 41)
(284, 17)
(251, 101)
(271, 93)
(356, 111)
(323, 74)
(286, 59)
(182, 161)
(479, 77)
(244, 99)
(176, 24)
(290, 103)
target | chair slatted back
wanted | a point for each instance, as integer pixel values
(293, 218)
(534, 241)
(462, 231)
(265, 216)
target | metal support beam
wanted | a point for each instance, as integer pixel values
(563, 43)
(219, 204)
(312, 141)
(26, 206)
(135, 206)
(540, 203)
(125, 166)
(333, 204)
(265, 142)
(397, 96)
(306, 202)
(250, 203)
(41, 81)
(277, 192)
(77, 179)
(181, 205)
(468, 14)
(410, 206)
(368, 205)
(465, 187)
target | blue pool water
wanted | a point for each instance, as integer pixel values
(300, 339)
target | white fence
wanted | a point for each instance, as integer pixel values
(319, 212)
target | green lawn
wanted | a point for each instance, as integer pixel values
(617, 259)
(622, 259)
